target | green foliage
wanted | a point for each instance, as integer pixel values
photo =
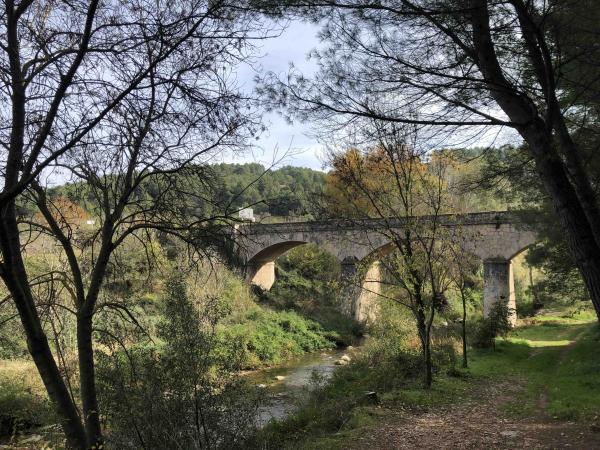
(282, 192)
(307, 281)
(497, 324)
(22, 406)
(392, 335)
(317, 267)
(264, 335)
(562, 283)
(468, 184)
(184, 393)
(12, 338)
(267, 337)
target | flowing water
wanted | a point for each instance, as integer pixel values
(287, 385)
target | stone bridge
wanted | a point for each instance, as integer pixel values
(494, 237)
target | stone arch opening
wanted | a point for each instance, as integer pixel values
(498, 275)
(362, 279)
(521, 251)
(260, 269)
(300, 275)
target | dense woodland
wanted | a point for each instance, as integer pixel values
(281, 192)
(123, 322)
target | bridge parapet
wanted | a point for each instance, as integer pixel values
(481, 218)
(497, 234)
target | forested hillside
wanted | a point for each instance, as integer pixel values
(279, 192)
(296, 191)
(226, 188)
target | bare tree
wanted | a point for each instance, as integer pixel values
(470, 68)
(463, 274)
(122, 98)
(393, 181)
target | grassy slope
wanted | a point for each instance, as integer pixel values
(270, 336)
(23, 400)
(559, 360)
(267, 337)
(555, 359)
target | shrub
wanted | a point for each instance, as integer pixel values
(307, 282)
(269, 337)
(23, 404)
(183, 393)
(12, 338)
(497, 324)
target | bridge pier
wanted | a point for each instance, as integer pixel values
(499, 285)
(261, 274)
(360, 289)
(350, 288)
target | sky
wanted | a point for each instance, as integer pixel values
(294, 142)
(281, 139)
(282, 142)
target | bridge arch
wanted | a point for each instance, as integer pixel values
(260, 265)
(260, 268)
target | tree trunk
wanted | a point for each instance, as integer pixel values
(523, 113)
(15, 277)
(579, 234)
(87, 381)
(464, 327)
(424, 337)
(428, 363)
(537, 302)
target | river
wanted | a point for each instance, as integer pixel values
(287, 384)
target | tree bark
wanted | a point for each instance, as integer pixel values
(15, 277)
(428, 363)
(424, 336)
(464, 327)
(85, 349)
(579, 230)
(87, 381)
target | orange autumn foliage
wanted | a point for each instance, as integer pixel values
(383, 182)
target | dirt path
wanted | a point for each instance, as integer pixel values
(478, 424)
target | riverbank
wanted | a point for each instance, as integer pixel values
(539, 389)
(274, 343)
(249, 334)
(287, 386)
